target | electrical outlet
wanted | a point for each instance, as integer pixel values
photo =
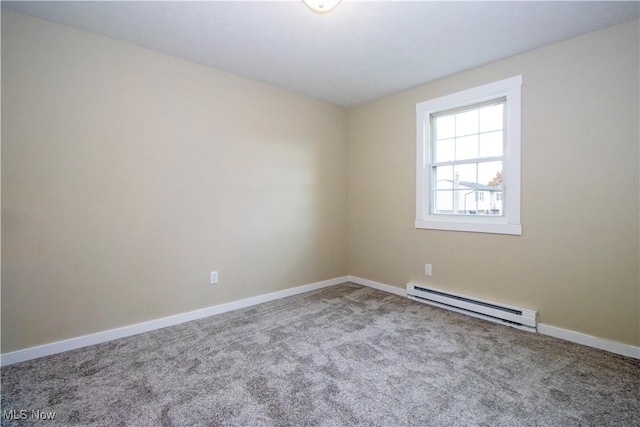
(427, 269)
(213, 277)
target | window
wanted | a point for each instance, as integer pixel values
(468, 168)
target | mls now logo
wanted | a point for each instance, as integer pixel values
(23, 414)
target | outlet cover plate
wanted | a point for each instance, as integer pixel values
(427, 269)
(213, 277)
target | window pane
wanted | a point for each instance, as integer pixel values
(444, 177)
(466, 175)
(445, 150)
(468, 202)
(476, 189)
(467, 123)
(492, 118)
(467, 147)
(491, 144)
(443, 202)
(445, 127)
(490, 174)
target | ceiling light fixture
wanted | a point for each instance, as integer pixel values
(321, 6)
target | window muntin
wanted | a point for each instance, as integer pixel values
(468, 159)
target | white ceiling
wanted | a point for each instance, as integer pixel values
(361, 51)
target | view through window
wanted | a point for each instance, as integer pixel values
(468, 159)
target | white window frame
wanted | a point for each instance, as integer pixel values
(509, 223)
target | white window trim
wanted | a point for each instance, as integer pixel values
(509, 223)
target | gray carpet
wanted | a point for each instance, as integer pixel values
(341, 356)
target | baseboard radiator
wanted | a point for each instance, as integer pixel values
(516, 317)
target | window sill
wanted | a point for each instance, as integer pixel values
(473, 227)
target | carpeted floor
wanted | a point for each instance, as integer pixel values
(345, 355)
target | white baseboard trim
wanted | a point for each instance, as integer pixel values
(126, 331)
(379, 286)
(590, 341)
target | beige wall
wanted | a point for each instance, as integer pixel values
(577, 259)
(127, 175)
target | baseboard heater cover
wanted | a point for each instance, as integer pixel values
(516, 317)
